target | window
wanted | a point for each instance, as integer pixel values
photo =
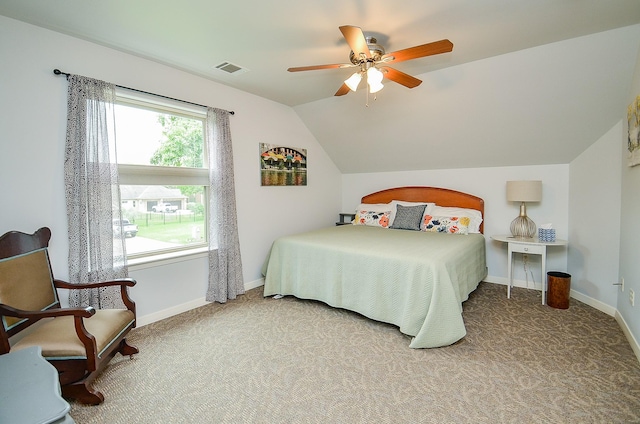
(161, 155)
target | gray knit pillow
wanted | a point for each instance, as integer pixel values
(408, 217)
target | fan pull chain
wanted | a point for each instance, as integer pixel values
(375, 97)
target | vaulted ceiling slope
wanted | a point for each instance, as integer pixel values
(527, 82)
(543, 105)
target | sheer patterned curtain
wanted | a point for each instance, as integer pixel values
(225, 266)
(96, 252)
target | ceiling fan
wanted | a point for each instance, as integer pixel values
(371, 60)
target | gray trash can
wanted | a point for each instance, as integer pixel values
(558, 289)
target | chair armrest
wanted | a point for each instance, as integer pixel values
(9, 311)
(122, 282)
(87, 339)
(129, 282)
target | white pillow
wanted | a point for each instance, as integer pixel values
(427, 210)
(473, 214)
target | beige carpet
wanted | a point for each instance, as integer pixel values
(256, 360)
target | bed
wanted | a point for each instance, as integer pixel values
(415, 280)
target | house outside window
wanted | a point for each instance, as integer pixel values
(161, 154)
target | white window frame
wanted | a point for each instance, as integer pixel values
(165, 175)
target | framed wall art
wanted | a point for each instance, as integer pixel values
(282, 166)
(633, 137)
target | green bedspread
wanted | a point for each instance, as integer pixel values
(413, 279)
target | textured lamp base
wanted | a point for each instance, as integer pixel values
(523, 227)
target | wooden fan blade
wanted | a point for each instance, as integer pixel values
(344, 89)
(429, 49)
(313, 68)
(400, 77)
(355, 40)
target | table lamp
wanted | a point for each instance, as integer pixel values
(523, 191)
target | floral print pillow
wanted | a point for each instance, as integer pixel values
(446, 224)
(372, 218)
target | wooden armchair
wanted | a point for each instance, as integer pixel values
(78, 342)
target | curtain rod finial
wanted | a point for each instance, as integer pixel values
(59, 72)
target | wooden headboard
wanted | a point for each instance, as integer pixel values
(439, 196)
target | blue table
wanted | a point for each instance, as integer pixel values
(29, 390)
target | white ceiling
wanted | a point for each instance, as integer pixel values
(267, 37)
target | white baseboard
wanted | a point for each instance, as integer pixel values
(187, 306)
(609, 310)
(625, 329)
(169, 312)
(516, 283)
(254, 284)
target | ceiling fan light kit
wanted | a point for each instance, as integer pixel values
(374, 79)
(367, 54)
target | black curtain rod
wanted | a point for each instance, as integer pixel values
(59, 72)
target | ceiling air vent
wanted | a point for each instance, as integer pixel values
(230, 68)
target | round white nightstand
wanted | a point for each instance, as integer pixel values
(529, 246)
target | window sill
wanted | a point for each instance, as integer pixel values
(167, 258)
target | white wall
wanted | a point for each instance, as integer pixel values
(33, 123)
(594, 219)
(630, 232)
(489, 184)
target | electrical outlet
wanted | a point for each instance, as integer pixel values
(632, 297)
(621, 283)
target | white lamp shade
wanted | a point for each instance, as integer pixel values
(374, 76)
(353, 81)
(375, 87)
(524, 191)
